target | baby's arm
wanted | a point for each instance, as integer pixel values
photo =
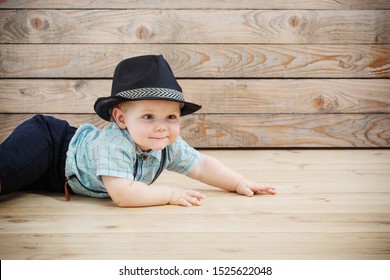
(212, 172)
(128, 193)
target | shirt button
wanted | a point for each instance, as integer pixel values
(144, 157)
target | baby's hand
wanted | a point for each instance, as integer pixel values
(186, 197)
(249, 188)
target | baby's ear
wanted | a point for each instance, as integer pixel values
(119, 118)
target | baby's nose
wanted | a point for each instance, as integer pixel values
(160, 126)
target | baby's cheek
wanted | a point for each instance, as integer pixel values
(174, 133)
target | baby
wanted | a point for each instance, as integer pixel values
(125, 158)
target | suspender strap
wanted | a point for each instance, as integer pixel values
(160, 169)
(66, 190)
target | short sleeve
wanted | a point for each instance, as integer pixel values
(182, 158)
(115, 158)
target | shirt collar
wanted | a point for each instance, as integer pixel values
(143, 154)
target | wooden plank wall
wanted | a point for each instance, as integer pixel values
(271, 73)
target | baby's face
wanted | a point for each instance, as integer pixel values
(152, 124)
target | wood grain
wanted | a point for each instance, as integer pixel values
(195, 26)
(199, 4)
(331, 204)
(234, 96)
(199, 61)
(255, 246)
(140, 223)
(287, 130)
(259, 130)
(274, 74)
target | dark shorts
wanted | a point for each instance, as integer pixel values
(33, 156)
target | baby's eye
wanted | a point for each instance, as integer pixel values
(147, 117)
(172, 117)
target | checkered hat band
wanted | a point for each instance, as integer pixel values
(163, 93)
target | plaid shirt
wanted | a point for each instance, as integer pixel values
(93, 153)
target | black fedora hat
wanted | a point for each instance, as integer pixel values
(146, 77)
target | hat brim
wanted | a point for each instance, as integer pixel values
(103, 105)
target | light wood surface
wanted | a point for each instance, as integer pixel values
(331, 204)
(200, 4)
(234, 96)
(276, 73)
(259, 130)
(212, 61)
(195, 26)
(262, 111)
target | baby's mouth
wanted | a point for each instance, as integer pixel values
(158, 138)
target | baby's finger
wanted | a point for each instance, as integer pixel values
(247, 192)
(196, 194)
(193, 200)
(184, 202)
(265, 189)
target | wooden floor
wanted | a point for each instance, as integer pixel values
(331, 204)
